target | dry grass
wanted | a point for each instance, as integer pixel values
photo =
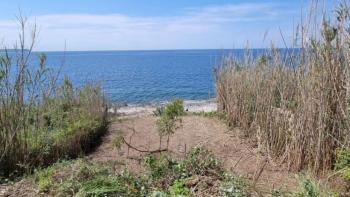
(42, 120)
(295, 104)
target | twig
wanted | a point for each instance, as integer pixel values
(237, 163)
(143, 151)
(257, 175)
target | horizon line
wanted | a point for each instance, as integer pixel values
(181, 49)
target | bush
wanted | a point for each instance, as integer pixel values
(343, 163)
(309, 188)
(234, 186)
(179, 189)
(199, 161)
(41, 119)
(95, 179)
(159, 165)
(170, 119)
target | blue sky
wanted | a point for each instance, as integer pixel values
(152, 24)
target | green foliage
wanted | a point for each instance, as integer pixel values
(281, 192)
(158, 193)
(309, 188)
(233, 186)
(159, 111)
(118, 141)
(170, 119)
(42, 119)
(199, 161)
(212, 114)
(63, 126)
(174, 108)
(44, 177)
(167, 125)
(159, 165)
(179, 189)
(343, 163)
(94, 179)
(163, 178)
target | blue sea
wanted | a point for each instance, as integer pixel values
(139, 77)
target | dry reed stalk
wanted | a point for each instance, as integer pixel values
(296, 104)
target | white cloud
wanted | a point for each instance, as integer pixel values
(205, 27)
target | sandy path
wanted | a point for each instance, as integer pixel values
(236, 154)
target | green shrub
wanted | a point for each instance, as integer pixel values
(159, 111)
(174, 108)
(233, 186)
(44, 177)
(159, 165)
(343, 163)
(179, 189)
(199, 161)
(170, 119)
(95, 179)
(309, 188)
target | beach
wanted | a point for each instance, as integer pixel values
(194, 106)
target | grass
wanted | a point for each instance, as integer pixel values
(43, 118)
(163, 177)
(294, 105)
(213, 114)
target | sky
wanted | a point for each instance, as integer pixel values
(78, 25)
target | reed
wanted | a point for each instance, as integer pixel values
(294, 103)
(41, 119)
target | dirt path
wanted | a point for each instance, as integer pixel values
(236, 154)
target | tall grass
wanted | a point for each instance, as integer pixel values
(295, 105)
(42, 120)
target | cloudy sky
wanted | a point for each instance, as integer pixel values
(152, 24)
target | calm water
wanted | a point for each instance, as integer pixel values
(144, 76)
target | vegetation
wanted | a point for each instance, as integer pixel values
(294, 102)
(343, 164)
(86, 178)
(170, 119)
(43, 118)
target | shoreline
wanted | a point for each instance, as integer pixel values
(195, 106)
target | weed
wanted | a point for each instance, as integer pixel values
(199, 161)
(179, 189)
(309, 188)
(159, 165)
(343, 163)
(212, 114)
(233, 186)
(159, 193)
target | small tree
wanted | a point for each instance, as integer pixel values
(170, 120)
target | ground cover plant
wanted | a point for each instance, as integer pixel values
(164, 176)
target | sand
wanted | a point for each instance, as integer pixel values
(148, 109)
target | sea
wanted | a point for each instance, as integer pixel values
(142, 77)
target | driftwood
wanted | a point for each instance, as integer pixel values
(144, 151)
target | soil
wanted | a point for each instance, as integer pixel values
(236, 153)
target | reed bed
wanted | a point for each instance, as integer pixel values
(294, 103)
(43, 118)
